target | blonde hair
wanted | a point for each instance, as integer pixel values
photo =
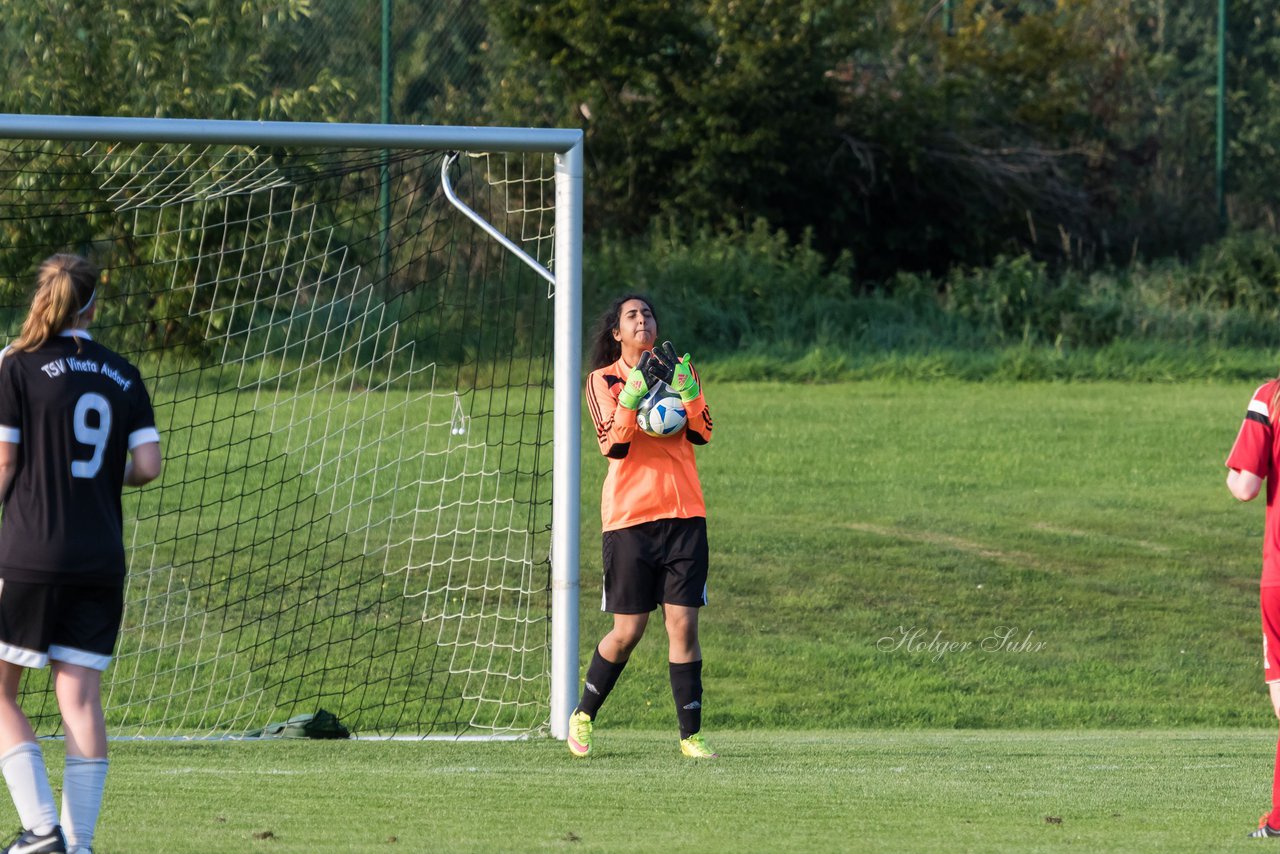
(65, 287)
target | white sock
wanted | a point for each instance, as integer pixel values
(28, 783)
(82, 785)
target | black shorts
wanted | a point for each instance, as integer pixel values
(64, 622)
(661, 562)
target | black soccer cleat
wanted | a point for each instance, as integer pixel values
(1264, 830)
(30, 842)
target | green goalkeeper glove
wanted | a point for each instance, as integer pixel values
(637, 385)
(683, 381)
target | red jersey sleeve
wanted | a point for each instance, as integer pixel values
(1252, 449)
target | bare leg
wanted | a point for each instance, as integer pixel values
(15, 729)
(79, 691)
(626, 633)
(21, 758)
(682, 634)
(606, 667)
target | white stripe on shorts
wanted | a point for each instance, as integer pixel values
(91, 660)
(22, 656)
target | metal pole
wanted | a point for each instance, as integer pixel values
(568, 146)
(384, 181)
(566, 479)
(1221, 161)
(510, 245)
(238, 132)
(946, 17)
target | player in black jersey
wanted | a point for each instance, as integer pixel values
(75, 427)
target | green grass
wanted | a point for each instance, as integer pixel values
(1091, 516)
(855, 790)
(1087, 522)
(286, 560)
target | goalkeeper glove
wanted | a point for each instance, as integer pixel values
(661, 365)
(683, 380)
(637, 385)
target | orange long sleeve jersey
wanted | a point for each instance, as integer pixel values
(649, 478)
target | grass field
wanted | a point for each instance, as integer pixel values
(1090, 518)
(854, 790)
(942, 615)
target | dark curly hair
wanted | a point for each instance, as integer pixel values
(605, 350)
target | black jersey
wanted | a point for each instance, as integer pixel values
(75, 409)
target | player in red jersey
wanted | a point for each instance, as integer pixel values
(1254, 459)
(654, 544)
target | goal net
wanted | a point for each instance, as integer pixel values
(354, 385)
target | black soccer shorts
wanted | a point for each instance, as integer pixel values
(63, 622)
(660, 562)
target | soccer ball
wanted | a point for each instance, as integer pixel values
(661, 412)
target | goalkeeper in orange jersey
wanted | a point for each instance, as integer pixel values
(654, 544)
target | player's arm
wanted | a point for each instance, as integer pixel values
(143, 465)
(8, 466)
(10, 433)
(698, 429)
(615, 425)
(1249, 462)
(1244, 485)
(686, 383)
(144, 462)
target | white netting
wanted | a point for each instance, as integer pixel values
(353, 389)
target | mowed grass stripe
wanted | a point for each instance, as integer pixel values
(857, 790)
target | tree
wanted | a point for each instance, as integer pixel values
(625, 73)
(709, 111)
(210, 59)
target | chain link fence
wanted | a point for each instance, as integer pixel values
(437, 52)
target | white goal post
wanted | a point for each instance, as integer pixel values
(562, 236)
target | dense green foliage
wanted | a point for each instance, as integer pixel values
(714, 111)
(1075, 131)
(770, 308)
(212, 59)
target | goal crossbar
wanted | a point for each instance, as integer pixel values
(235, 132)
(566, 145)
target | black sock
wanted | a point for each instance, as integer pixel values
(602, 675)
(686, 688)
